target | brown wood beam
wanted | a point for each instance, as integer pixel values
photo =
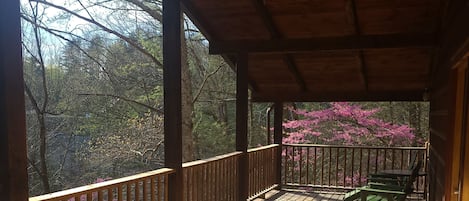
(13, 152)
(275, 34)
(242, 123)
(323, 44)
(172, 28)
(338, 96)
(278, 133)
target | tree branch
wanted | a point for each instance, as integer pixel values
(157, 110)
(199, 91)
(153, 13)
(106, 29)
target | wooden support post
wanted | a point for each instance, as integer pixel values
(278, 120)
(172, 96)
(242, 123)
(13, 161)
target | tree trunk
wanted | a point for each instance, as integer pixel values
(44, 177)
(187, 106)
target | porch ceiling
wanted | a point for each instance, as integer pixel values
(326, 50)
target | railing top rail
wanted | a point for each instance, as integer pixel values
(356, 147)
(99, 186)
(263, 147)
(208, 160)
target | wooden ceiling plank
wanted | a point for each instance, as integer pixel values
(324, 44)
(275, 34)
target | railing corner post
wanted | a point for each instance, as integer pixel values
(278, 120)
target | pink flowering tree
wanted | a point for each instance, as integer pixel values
(344, 123)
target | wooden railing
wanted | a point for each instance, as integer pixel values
(148, 186)
(262, 169)
(217, 178)
(345, 166)
(212, 179)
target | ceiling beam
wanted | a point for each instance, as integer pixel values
(416, 95)
(275, 34)
(323, 44)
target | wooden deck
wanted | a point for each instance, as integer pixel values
(301, 195)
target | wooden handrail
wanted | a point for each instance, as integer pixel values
(262, 148)
(102, 186)
(208, 160)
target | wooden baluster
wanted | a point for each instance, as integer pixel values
(402, 159)
(165, 178)
(345, 165)
(360, 168)
(353, 164)
(285, 148)
(307, 165)
(152, 189)
(384, 161)
(128, 193)
(330, 166)
(160, 186)
(89, 196)
(322, 165)
(300, 163)
(368, 161)
(314, 166)
(110, 194)
(337, 166)
(376, 160)
(100, 195)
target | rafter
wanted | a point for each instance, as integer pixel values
(294, 70)
(275, 34)
(352, 13)
(324, 44)
(196, 18)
